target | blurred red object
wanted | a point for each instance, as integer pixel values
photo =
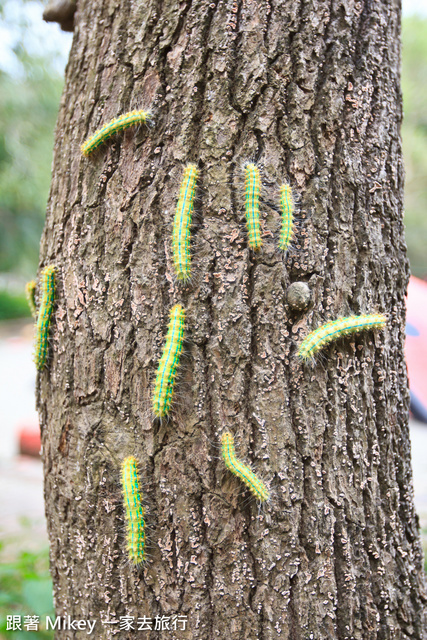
(29, 440)
(416, 346)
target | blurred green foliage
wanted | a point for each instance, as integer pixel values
(26, 589)
(414, 135)
(13, 306)
(28, 109)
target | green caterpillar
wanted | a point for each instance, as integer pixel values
(134, 511)
(252, 193)
(336, 329)
(118, 124)
(30, 294)
(182, 223)
(287, 207)
(168, 364)
(43, 320)
(242, 471)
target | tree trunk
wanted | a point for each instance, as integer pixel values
(310, 91)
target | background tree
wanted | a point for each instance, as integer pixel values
(30, 89)
(25, 136)
(414, 134)
(311, 91)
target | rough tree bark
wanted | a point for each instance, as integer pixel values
(310, 90)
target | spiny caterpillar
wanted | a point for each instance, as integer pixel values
(168, 364)
(47, 285)
(30, 294)
(242, 471)
(252, 191)
(118, 124)
(287, 207)
(134, 511)
(335, 329)
(182, 223)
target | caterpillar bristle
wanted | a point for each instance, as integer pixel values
(135, 512)
(121, 123)
(336, 329)
(30, 294)
(47, 286)
(182, 224)
(241, 470)
(168, 364)
(288, 221)
(252, 195)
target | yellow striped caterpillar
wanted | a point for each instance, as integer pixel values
(336, 329)
(242, 471)
(47, 286)
(288, 223)
(182, 223)
(118, 124)
(30, 294)
(252, 194)
(134, 511)
(168, 364)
